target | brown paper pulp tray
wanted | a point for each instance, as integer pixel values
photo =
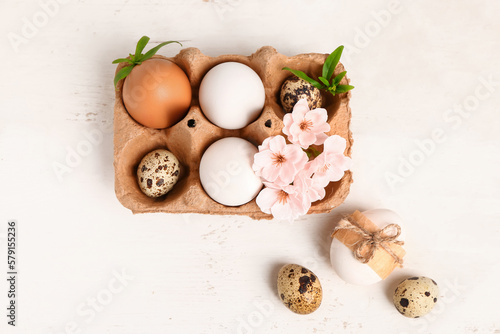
(132, 141)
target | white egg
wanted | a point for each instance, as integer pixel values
(345, 264)
(226, 171)
(232, 95)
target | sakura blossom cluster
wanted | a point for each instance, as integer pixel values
(292, 181)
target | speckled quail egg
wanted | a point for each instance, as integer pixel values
(294, 89)
(299, 289)
(158, 172)
(416, 296)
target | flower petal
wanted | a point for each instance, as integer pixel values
(317, 116)
(287, 173)
(306, 139)
(321, 179)
(335, 144)
(299, 110)
(272, 185)
(266, 199)
(265, 144)
(277, 144)
(319, 193)
(298, 205)
(287, 122)
(334, 173)
(270, 173)
(300, 181)
(282, 211)
(262, 159)
(320, 138)
(342, 162)
(295, 130)
(321, 128)
(318, 163)
(310, 168)
(295, 155)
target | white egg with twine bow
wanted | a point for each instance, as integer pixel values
(367, 246)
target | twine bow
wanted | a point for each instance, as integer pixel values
(365, 248)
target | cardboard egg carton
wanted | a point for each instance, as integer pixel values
(189, 138)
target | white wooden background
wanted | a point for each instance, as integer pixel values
(423, 70)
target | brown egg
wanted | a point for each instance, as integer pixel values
(157, 93)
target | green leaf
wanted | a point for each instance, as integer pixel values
(311, 152)
(304, 76)
(122, 60)
(343, 88)
(123, 73)
(331, 62)
(137, 58)
(153, 51)
(140, 46)
(310, 155)
(323, 80)
(338, 78)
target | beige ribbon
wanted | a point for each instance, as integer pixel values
(371, 241)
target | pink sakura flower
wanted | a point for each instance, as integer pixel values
(284, 202)
(312, 189)
(331, 164)
(306, 127)
(278, 162)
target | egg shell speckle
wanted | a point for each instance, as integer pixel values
(294, 89)
(416, 296)
(299, 289)
(158, 172)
